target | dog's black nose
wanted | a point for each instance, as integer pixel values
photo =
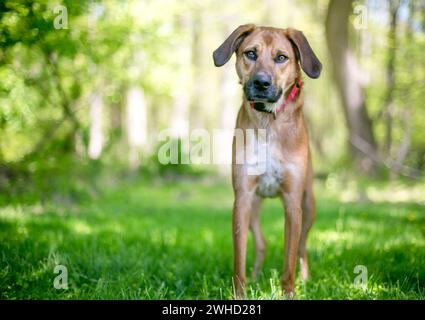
(262, 81)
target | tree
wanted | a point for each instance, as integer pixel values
(345, 71)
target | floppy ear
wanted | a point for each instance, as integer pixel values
(308, 60)
(223, 53)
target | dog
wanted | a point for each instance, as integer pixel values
(268, 63)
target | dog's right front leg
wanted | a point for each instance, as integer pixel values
(241, 220)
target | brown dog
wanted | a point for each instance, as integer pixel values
(268, 64)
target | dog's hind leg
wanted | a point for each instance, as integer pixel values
(259, 242)
(308, 216)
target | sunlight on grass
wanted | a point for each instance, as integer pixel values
(351, 190)
(328, 238)
(208, 236)
(396, 192)
(81, 227)
(11, 213)
(174, 241)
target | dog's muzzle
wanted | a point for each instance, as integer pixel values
(260, 88)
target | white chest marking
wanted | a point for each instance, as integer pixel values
(270, 182)
(263, 163)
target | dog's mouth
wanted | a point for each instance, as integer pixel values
(258, 102)
(259, 106)
(261, 98)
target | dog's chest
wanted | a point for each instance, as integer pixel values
(270, 182)
(265, 163)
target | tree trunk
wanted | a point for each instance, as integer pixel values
(116, 119)
(348, 81)
(229, 89)
(389, 99)
(136, 125)
(180, 115)
(197, 109)
(96, 138)
(404, 146)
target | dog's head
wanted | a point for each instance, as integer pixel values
(268, 60)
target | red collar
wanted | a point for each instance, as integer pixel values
(291, 96)
(288, 100)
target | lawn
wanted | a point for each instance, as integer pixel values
(172, 240)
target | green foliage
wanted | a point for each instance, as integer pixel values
(409, 74)
(48, 76)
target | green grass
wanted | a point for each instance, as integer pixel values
(173, 240)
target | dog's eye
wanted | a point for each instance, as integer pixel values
(251, 55)
(281, 58)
